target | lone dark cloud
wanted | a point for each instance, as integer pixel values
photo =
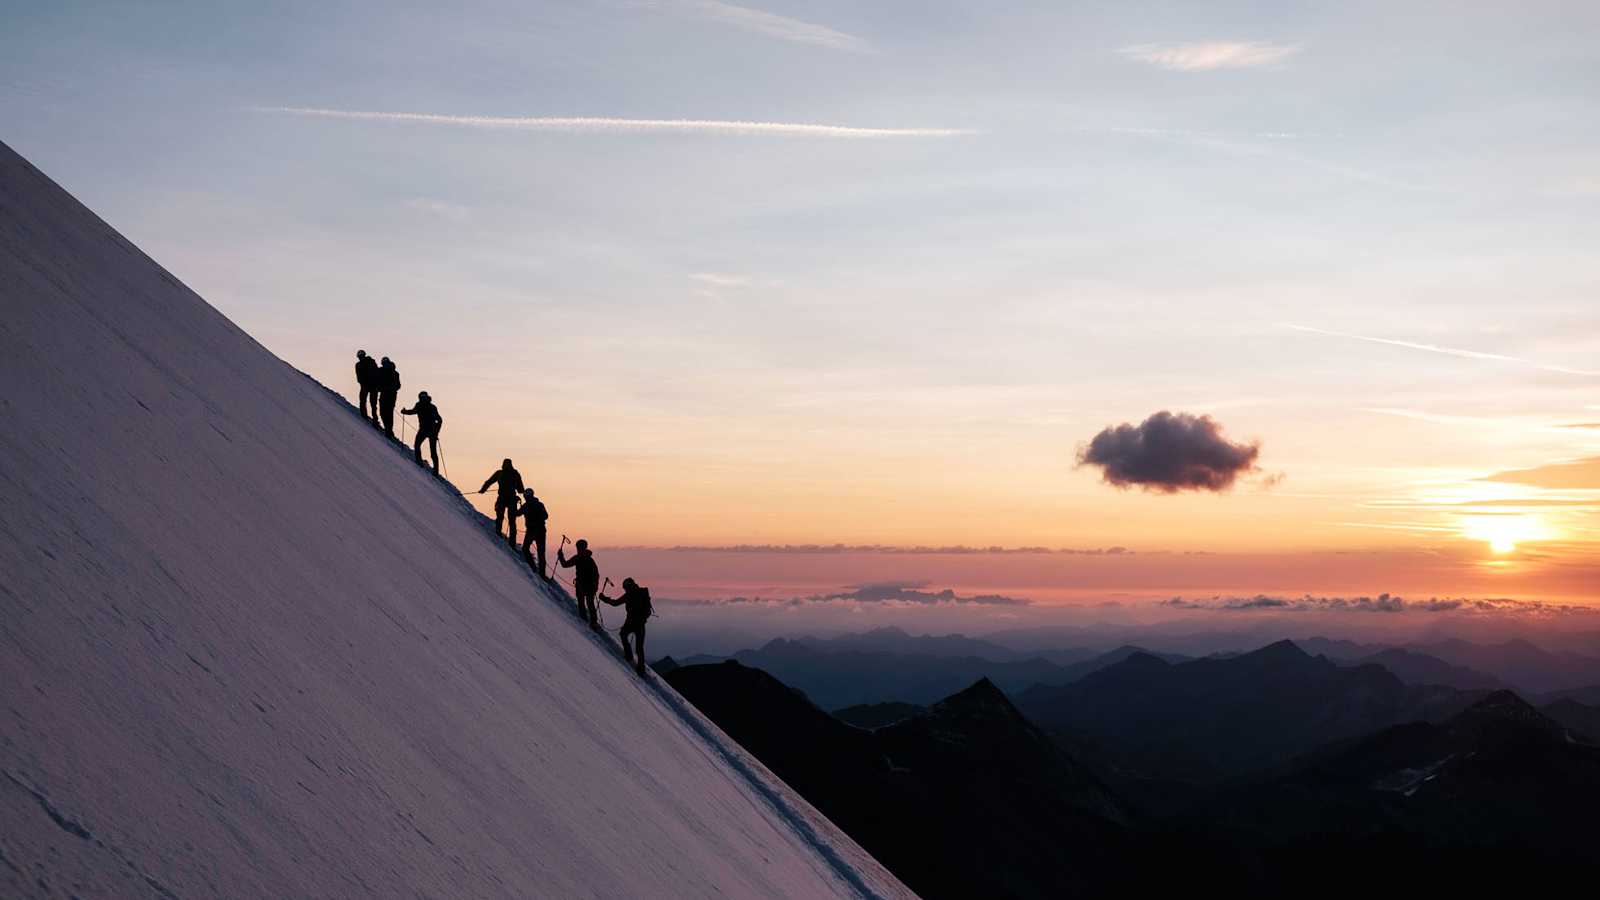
(1169, 452)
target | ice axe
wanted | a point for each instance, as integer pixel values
(556, 569)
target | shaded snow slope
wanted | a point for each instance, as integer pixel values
(247, 649)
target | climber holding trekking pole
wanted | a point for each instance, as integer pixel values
(585, 580)
(636, 600)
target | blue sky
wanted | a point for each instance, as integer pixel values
(789, 334)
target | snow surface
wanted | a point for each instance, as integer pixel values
(248, 649)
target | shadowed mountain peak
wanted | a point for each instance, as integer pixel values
(968, 779)
(1277, 652)
(1505, 713)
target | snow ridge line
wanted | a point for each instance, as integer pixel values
(745, 766)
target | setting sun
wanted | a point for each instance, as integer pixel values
(1504, 533)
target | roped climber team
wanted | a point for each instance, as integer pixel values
(379, 385)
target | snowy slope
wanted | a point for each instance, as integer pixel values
(247, 649)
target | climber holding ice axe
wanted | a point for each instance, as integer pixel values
(636, 599)
(585, 578)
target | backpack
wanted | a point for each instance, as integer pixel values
(649, 607)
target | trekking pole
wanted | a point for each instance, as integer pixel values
(598, 604)
(443, 466)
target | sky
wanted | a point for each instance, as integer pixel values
(886, 274)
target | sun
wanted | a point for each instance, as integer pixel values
(1503, 533)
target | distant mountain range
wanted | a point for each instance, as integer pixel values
(1519, 663)
(1413, 667)
(896, 640)
(1216, 718)
(879, 667)
(850, 677)
(964, 799)
(1257, 771)
(892, 665)
(1554, 661)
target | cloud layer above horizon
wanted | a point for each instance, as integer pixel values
(1383, 603)
(902, 593)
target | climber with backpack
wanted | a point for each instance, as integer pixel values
(585, 581)
(636, 600)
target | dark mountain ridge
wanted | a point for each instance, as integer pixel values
(1218, 718)
(1499, 773)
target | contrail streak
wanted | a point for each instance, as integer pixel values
(1448, 351)
(603, 124)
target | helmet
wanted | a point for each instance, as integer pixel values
(506, 463)
(581, 544)
(423, 396)
(361, 354)
(629, 583)
(527, 492)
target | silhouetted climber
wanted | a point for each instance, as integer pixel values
(367, 378)
(534, 515)
(637, 601)
(505, 502)
(428, 424)
(585, 581)
(388, 391)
